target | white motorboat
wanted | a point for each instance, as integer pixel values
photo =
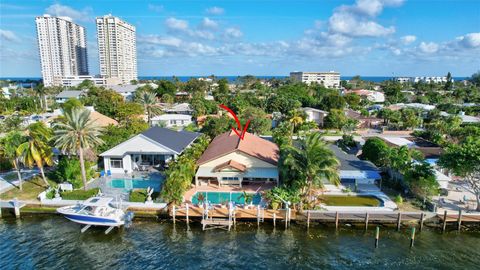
(96, 211)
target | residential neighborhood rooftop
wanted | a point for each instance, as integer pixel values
(251, 145)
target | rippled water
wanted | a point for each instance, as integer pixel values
(52, 242)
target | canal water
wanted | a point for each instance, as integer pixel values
(51, 242)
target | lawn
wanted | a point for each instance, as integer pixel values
(350, 200)
(31, 189)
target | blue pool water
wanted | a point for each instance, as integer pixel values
(129, 184)
(221, 197)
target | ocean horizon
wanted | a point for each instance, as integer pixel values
(230, 78)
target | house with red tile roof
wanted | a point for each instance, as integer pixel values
(230, 161)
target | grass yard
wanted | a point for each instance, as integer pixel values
(350, 201)
(31, 189)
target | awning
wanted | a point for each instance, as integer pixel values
(249, 173)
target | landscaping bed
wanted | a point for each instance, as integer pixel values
(140, 195)
(79, 194)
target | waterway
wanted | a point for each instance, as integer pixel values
(51, 242)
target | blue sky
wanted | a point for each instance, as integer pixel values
(266, 37)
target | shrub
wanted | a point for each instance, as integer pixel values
(79, 194)
(140, 195)
(399, 199)
(277, 194)
(68, 170)
(5, 165)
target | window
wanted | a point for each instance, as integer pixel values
(116, 163)
(230, 178)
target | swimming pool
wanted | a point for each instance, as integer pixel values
(129, 184)
(221, 197)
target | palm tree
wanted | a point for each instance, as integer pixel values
(149, 101)
(313, 162)
(297, 118)
(77, 134)
(8, 150)
(36, 149)
(41, 92)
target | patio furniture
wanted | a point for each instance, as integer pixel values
(102, 173)
(109, 173)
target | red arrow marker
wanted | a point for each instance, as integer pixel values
(240, 132)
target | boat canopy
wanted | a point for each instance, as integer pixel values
(98, 201)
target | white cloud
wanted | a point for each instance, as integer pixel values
(409, 39)
(346, 24)
(233, 32)
(215, 10)
(471, 40)
(358, 20)
(155, 8)
(159, 40)
(176, 24)
(8, 36)
(428, 47)
(77, 15)
(208, 23)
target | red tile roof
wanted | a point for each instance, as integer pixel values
(231, 163)
(251, 145)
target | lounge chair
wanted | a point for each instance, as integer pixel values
(109, 173)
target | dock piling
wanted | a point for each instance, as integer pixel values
(173, 214)
(377, 236)
(399, 220)
(412, 237)
(459, 219)
(186, 210)
(444, 221)
(422, 219)
(336, 220)
(274, 219)
(308, 219)
(366, 221)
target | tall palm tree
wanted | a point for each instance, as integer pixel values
(76, 134)
(8, 150)
(313, 162)
(149, 101)
(41, 92)
(36, 149)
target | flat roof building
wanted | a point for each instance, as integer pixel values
(330, 79)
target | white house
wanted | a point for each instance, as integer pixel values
(152, 148)
(315, 115)
(63, 96)
(179, 108)
(172, 120)
(127, 90)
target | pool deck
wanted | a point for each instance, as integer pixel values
(103, 184)
(214, 188)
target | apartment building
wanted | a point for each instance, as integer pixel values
(117, 50)
(330, 79)
(62, 47)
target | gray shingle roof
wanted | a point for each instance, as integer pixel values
(351, 162)
(175, 140)
(69, 94)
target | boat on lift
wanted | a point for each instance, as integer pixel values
(96, 211)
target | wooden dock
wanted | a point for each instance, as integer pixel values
(457, 218)
(15, 205)
(286, 215)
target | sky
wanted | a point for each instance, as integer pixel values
(265, 37)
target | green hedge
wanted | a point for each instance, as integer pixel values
(79, 194)
(140, 195)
